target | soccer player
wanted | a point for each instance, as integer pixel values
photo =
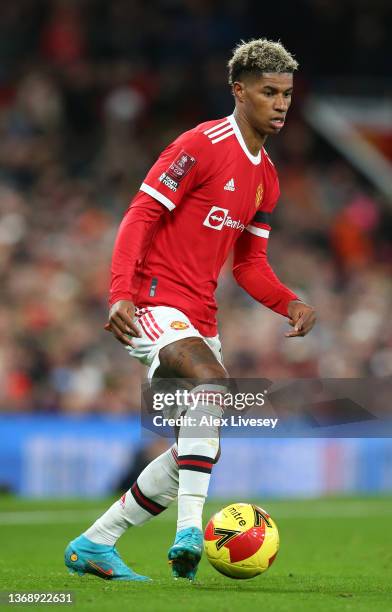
(212, 190)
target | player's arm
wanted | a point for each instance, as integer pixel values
(177, 170)
(254, 274)
(132, 240)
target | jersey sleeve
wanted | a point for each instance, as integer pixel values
(133, 238)
(251, 268)
(180, 168)
(261, 222)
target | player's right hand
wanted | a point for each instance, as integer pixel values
(121, 323)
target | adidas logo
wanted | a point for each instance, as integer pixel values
(229, 185)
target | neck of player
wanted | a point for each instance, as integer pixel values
(253, 139)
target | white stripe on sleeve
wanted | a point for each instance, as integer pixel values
(157, 195)
(258, 231)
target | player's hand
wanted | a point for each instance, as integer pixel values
(121, 323)
(302, 317)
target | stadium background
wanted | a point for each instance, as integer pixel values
(90, 93)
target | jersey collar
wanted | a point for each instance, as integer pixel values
(255, 159)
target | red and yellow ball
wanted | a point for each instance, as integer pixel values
(241, 541)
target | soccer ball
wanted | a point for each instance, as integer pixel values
(241, 541)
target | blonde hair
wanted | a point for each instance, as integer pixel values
(258, 56)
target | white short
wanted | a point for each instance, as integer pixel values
(160, 326)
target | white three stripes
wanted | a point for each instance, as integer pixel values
(220, 132)
(216, 127)
(149, 325)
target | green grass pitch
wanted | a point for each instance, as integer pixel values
(335, 554)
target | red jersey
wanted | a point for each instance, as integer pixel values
(214, 191)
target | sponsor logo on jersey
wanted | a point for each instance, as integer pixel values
(218, 218)
(229, 185)
(168, 181)
(259, 195)
(179, 325)
(180, 167)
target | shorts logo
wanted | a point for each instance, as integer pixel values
(218, 218)
(74, 557)
(122, 500)
(179, 325)
(181, 166)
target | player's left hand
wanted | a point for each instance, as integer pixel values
(302, 317)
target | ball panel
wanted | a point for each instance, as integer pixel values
(213, 554)
(270, 546)
(272, 559)
(209, 531)
(235, 571)
(235, 516)
(246, 544)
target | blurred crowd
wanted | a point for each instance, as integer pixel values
(90, 93)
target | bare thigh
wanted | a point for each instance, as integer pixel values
(189, 358)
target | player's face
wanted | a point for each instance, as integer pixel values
(266, 101)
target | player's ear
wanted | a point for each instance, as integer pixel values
(239, 90)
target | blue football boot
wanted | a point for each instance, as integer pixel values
(85, 557)
(185, 554)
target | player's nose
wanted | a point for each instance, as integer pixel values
(280, 104)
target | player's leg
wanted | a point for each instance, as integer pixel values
(198, 446)
(152, 492)
(155, 488)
